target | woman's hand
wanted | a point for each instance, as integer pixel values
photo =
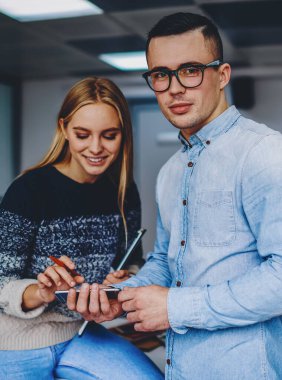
(57, 278)
(117, 276)
(93, 304)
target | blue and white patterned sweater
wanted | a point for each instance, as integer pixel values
(46, 213)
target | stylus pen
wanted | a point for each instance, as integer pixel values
(140, 233)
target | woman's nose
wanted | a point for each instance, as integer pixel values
(95, 146)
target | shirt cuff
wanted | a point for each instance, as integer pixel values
(12, 298)
(184, 308)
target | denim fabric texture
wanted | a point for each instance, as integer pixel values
(36, 364)
(219, 250)
(101, 355)
(97, 355)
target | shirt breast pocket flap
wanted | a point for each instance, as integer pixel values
(214, 220)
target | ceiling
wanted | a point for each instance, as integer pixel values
(251, 32)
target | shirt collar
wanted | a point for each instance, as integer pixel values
(212, 130)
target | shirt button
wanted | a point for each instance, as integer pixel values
(208, 142)
(168, 361)
(190, 164)
(178, 283)
(182, 242)
(184, 202)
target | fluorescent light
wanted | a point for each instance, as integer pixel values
(135, 60)
(31, 10)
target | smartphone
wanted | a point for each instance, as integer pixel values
(62, 295)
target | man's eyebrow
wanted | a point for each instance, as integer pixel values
(191, 63)
(160, 68)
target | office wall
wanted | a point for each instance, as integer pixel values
(153, 135)
(6, 137)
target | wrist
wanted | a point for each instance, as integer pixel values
(32, 298)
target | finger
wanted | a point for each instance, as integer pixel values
(68, 262)
(106, 282)
(42, 286)
(71, 299)
(43, 280)
(94, 305)
(110, 277)
(133, 317)
(140, 327)
(65, 276)
(129, 306)
(79, 279)
(83, 299)
(117, 280)
(53, 275)
(127, 294)
(104, 303)
(120, 273)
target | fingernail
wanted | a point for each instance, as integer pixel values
(72, 283)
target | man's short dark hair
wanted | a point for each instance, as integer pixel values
(181, 22)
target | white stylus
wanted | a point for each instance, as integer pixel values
(140, 233)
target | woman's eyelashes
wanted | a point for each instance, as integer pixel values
(110, 137)
(83, 136)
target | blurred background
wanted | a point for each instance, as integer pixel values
(40, 59)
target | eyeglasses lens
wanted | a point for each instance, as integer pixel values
(187, 76)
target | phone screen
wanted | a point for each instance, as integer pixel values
(62, 295)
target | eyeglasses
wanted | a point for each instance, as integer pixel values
(188, 75)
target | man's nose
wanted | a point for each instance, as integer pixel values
(175, 86)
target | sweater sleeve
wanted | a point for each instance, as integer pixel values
(17, 236)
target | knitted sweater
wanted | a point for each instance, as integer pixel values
(46, 213)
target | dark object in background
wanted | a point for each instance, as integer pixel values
(243, 92)
(145, 341)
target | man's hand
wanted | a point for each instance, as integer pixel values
(93, 304)
(146, 307)
(117, 276)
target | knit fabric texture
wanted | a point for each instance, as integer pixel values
(45, 213)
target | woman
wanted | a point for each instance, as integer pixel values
(80, 202)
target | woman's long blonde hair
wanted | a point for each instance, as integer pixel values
(90, 91)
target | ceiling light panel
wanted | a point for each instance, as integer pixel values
(129, 61)
(34, 10)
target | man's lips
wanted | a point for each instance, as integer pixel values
(180, 108)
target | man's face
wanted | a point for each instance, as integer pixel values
(189, 109)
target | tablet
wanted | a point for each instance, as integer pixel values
(62, 295)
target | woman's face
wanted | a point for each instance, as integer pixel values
(94, 135)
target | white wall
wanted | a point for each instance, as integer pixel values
(41, 104)
(42, 100)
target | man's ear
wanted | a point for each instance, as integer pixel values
(62, 126)
(225, 73)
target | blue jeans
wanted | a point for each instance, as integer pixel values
(101, 355)
(97, 355)
(30, 364)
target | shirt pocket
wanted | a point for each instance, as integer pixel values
(214, 220)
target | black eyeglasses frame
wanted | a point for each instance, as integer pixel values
(216, 63)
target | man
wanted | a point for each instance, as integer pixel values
(214, 280)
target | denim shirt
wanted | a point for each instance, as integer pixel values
(219, 250)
